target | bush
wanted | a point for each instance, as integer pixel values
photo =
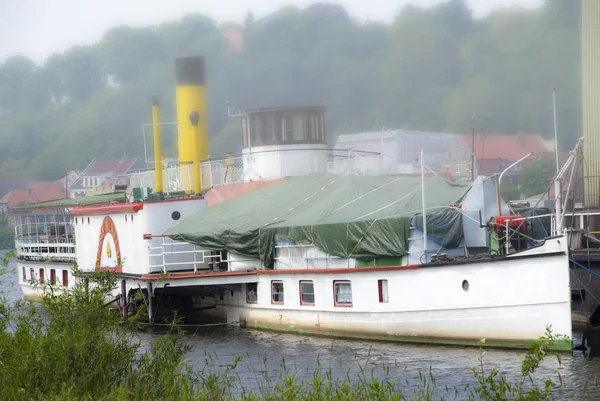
(72, 348)
(7, 238)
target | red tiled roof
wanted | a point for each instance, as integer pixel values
(37, 191)
(235, 38)
(508, 147)
(220, 194)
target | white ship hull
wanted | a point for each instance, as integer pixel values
(509, 301)
(30, 274)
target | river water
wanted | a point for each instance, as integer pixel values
(265, 354)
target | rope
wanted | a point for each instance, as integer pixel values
(585, 268)
(582, 283)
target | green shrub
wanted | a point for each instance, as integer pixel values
(7, 237)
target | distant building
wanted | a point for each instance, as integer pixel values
(400, 150)
(8, 184)
(493, 154)
(36, 191)
(92, 180)
(235, 38)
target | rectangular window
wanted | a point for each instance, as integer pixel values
(383, 291)
(307, 293)
(65, 278)
(277, 128)
(277, 292)
(298, 128)
(251, 293)
(52, 277)
(342, 293)
(41, 276)
(308, 128)
(24, 275)
(458, 166)
(31, 274)
(258, 130)
(245, 133)
(288, 129)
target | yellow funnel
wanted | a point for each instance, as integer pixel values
(190, 97)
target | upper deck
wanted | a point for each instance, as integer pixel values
(45, 241)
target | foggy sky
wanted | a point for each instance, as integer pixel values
(38, 28)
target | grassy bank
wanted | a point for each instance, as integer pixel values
(71, 348)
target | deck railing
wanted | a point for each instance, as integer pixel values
(167, 256)
(231, 170)
(45, 241)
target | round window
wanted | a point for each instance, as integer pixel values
(176, 215)
(465, 285)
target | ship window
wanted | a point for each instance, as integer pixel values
(65, 278)
(277, 292)
(298, 128)
(52, 276)
(307, 293)
(41, 276)
(258, 129)
(465, 285)
(288, 128)
(252, 293)
(308, 127)
(245, 131)
(383, 291)
(342, 291)
(24, 275)
(273, 130)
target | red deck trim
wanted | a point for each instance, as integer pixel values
(107, 209)
(339, 271)
(179, 276)
(175, 199)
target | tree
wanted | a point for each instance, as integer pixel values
(535, 177)
(430, 70)
(249, 21)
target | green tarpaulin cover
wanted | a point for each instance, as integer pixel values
(345, 216)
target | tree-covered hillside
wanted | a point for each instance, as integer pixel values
(431, 69)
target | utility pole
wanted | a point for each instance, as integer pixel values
(473, 147)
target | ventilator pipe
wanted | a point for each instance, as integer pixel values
(157, 144)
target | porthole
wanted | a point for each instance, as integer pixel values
(465, 285)
(175, 215)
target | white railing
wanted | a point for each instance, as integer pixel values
(231, 170)
(45, 241)
(166, 255)
(177, 178)
(355, 163)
